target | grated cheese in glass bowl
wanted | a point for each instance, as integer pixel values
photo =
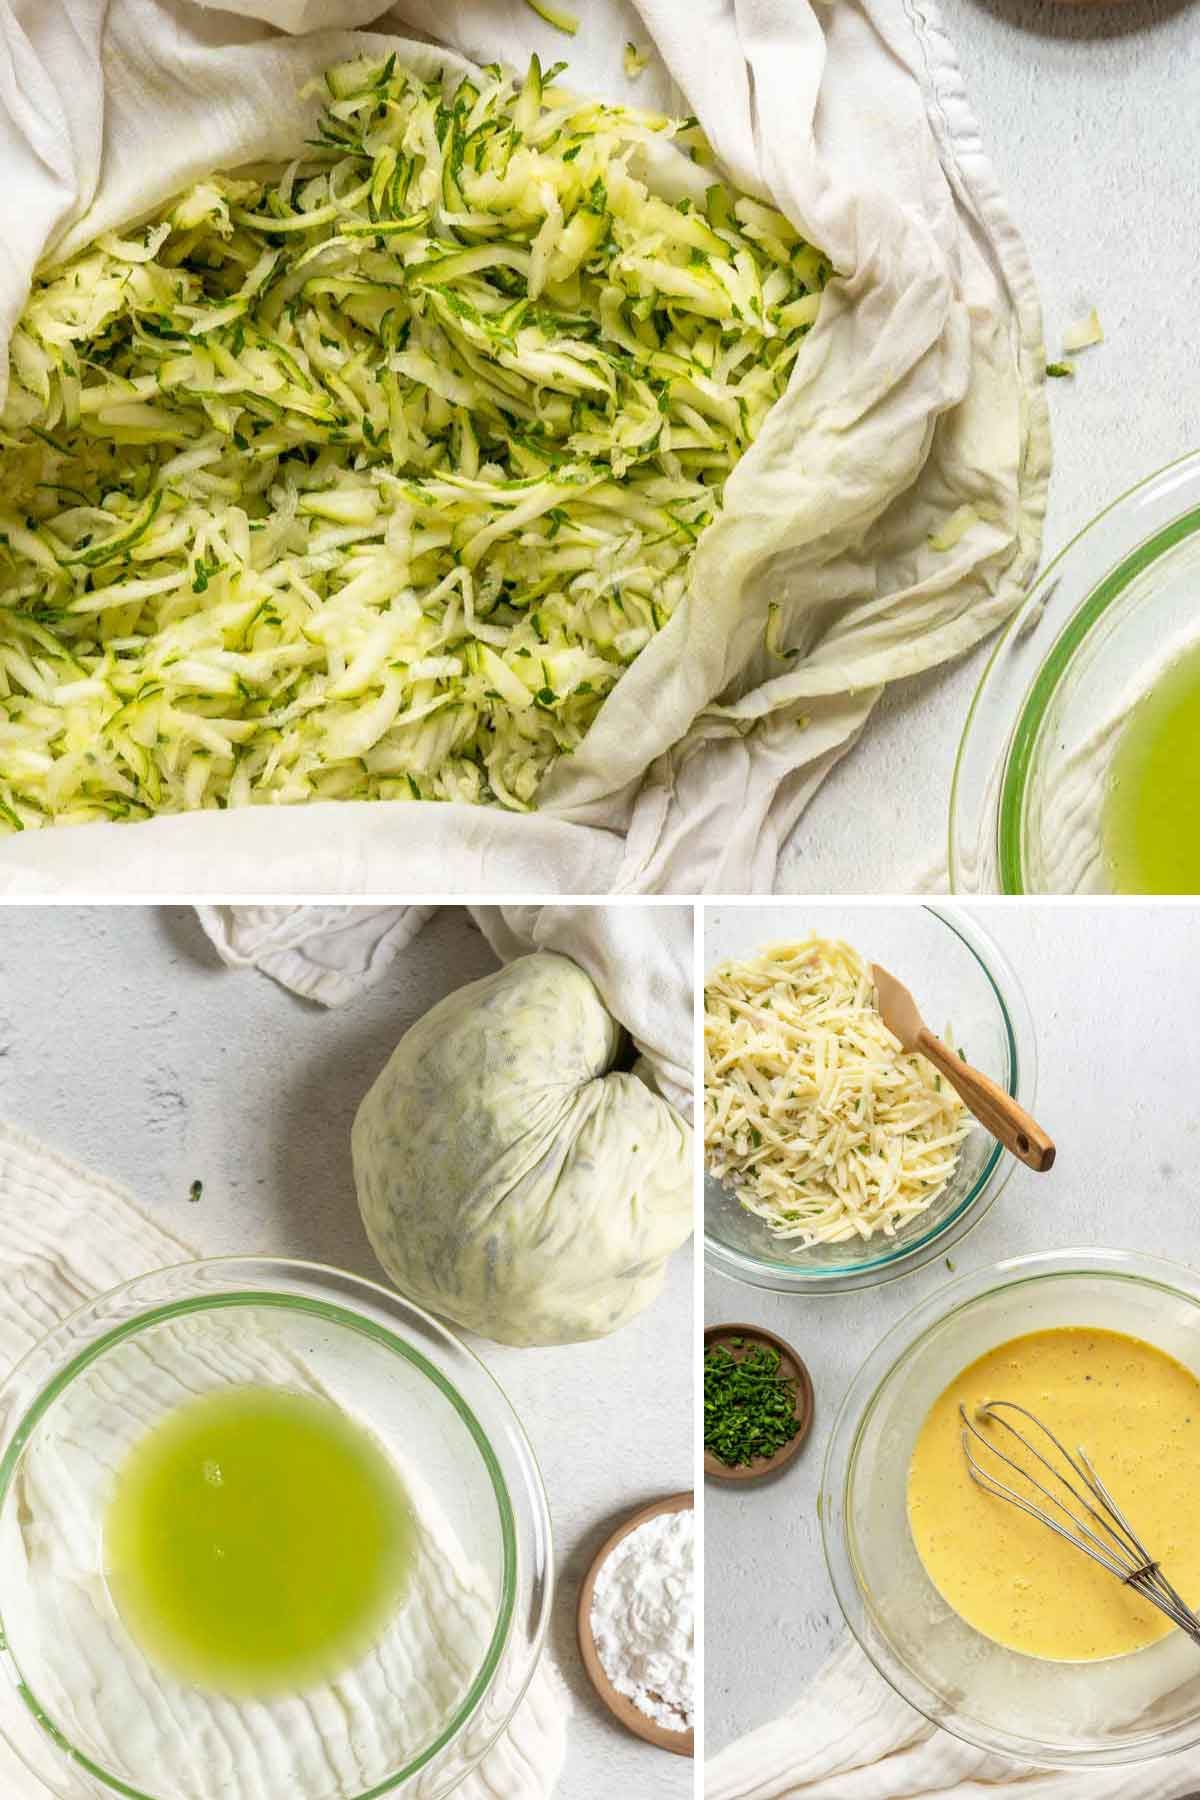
(834, 1159)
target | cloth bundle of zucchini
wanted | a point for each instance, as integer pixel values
(368, 478)
(512, 1175)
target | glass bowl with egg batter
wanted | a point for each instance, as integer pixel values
(1032, 804)
(1067, 1714)
(414, 1685)
(968, 992)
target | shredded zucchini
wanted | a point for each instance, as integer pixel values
(634, 59)
(558, 16)
(955, 527)
(368, 477)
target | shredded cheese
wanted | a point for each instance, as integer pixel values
(813, 1113)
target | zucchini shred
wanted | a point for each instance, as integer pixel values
(368, 477)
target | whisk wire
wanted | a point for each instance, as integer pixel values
(1114, 1524)
(1120, 1550)
(1143, 1556)
(1082, 1536)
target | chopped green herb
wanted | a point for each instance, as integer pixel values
(749, 1407)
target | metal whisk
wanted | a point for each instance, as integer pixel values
(1090, 1520)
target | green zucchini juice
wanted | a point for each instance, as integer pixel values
(1150, 822)
(257, 1540)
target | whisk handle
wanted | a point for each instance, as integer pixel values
(996, 1111)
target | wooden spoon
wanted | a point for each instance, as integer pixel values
(996, 1111)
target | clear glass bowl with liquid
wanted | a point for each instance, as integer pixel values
(83, 1704)
(1068, 1715)
(967, 991)
(1109, 614)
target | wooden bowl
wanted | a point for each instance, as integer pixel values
(792, 1369)
(620, 1705)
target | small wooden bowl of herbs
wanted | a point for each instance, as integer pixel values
(758, 1402)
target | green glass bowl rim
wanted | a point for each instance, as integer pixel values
(730, 1261)
(342, 1316)
(1010, 1275)
(1012, 796)
(1050, 676)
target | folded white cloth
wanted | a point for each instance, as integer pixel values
(640, 958)
(326, 953)
(66, 1234)
(851, 1737)
(916, 398)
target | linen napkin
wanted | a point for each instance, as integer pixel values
(917, 399)
(639, 957)
(851, 1737)
(67, 1234)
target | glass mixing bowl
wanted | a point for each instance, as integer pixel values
(966, 989)
(1065, 1714)
(81, 1703)
(1099, 626)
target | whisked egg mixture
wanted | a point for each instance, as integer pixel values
(1136, 1411)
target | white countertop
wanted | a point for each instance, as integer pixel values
(1082, 110)
(1120, 1099)
(125, 1043)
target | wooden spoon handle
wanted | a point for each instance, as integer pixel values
(996, 1111)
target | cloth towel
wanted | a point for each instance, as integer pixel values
(640, 958)
(67, 1234)
(851, 1737)
(916, 402)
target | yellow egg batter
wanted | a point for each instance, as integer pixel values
(1136, 1412)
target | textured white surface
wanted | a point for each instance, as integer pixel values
(125, 1043)
(1118, 1041)
(1082, 111)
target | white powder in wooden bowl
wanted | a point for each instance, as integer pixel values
(642, 1618)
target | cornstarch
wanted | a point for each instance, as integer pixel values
(642, 1618)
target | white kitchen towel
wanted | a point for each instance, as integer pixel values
(67, 1234)
(850, 1737)
(640, 958)
(325, 953)
(916, 399)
